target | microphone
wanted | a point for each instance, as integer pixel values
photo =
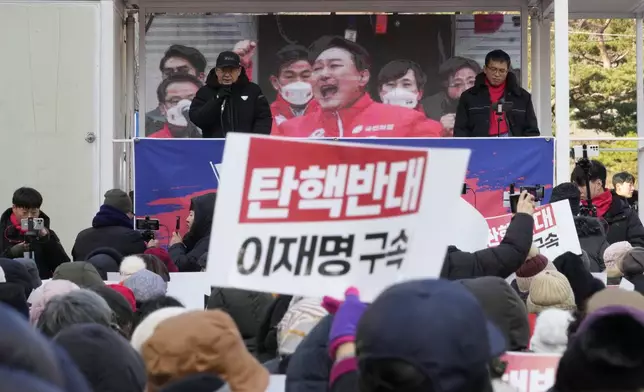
(499, 106)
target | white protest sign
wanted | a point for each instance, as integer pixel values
(276, 383)
(114, 276)
(471, 232)
(312, 218)
(554, 230)
(625, 284)
(602, 276)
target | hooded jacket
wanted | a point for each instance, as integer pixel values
(475, 106)
(592, 239)
(111, 228)
(504, 308)
(48, 251)
(246, 110)
(196, 242)
(502, 260)
(365, 118)
(247, 309)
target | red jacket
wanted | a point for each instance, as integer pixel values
(282, 111)
(365, 118)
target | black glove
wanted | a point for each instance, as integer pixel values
(19, 250)
(224, 93)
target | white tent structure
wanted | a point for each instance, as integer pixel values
(538, 14)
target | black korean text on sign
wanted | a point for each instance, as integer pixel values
(393, 252)
(550, 241)
(334, 252)
(329, 182)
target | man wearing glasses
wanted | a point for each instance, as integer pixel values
(496, 106)
(230, 102)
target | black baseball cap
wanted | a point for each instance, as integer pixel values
(228, 59)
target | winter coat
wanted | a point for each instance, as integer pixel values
(247, 309)
(186, 255)
(246, 110)
(111, 228)
(502, 260)
(592, 239)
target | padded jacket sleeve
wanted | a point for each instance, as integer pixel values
(635, 233)
(461, 121)
(188, 261)
(502, 260)
(204, 108)
(263, 116)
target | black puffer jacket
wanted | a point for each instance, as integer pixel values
(186, 256)
(247, 309)
(310, 365)
(592, 239)
(502, 260)
(246, 110)
(623, 223)
(267, 335)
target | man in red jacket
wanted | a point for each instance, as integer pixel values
(292, 81)
(339, 79)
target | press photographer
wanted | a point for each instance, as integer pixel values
(623, 222)
(35, 241)
(112, 227)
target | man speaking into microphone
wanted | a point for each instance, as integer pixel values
(229, 102)
(496, 106)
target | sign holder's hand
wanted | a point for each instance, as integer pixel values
(345, 322)
(526, 204)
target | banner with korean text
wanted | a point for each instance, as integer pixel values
(168, 173)
(554, 230)
(530, 372)
(313, 218)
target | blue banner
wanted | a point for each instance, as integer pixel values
(170, 172)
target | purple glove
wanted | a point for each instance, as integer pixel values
(345, 321)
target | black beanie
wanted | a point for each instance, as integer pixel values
(567, 191)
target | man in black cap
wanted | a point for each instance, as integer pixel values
(229, 102)
(112, 227)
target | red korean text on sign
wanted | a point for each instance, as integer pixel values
(544, 219)
(290, 181)
(528, 372)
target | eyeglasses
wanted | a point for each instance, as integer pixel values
(497, 71)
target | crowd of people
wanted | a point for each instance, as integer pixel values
(67, 329)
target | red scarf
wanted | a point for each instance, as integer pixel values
(496, 93)
(16, 224)
(601, 202)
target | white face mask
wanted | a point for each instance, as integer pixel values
(178, 115)
(297, 93)
(401, 97)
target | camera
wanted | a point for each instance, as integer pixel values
(147, 227)
(511, 197)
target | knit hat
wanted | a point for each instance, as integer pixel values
(567, 191)
(13, 295)
(126, 293)
(131, 265)
(149, 324)
(80, 272)
(534, 264)
(615, 297)
(632, 263)
(146, 285)
(550, 289)
(118, 199)
(299, 320)
(41, 296)
(615, 252)
(551, 331)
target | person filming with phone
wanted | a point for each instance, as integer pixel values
(496, 106)
(26, 233)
